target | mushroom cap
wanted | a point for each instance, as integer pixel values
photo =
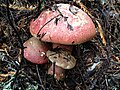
(65, 25)
(35, 51)
(61, 58)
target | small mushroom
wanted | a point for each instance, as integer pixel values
(62, 60)
(35, 51)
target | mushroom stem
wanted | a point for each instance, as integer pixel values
(64, 47)
(58, 72)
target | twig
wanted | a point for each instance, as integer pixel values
(46, 24)
(39, 77)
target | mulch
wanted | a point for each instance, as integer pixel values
(98, 60)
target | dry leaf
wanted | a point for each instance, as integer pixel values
(8, 74)
(115, 58)
(3, 76)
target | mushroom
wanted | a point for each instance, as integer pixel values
(63, 25)
(35, 51)
(63, 60)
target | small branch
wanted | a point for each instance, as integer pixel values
(39, 77)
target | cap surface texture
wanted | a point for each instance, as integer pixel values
(63, 25)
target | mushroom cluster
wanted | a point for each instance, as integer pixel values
(62, 25)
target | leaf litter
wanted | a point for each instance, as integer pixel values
(98, 61)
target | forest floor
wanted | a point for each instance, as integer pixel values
(98, 60)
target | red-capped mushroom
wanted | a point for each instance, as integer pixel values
(35, 51)
(67, 25)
